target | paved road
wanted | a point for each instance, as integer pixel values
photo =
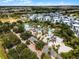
(54, 54)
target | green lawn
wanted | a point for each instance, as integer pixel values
(46, 56)
(2, 52)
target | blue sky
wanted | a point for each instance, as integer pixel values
(37, 2)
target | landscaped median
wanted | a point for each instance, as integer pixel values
(2, 52)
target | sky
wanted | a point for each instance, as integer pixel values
(37, 2)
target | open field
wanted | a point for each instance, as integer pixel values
(9, 20)
(2, 52)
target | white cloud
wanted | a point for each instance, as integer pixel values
(15, 2)
(5, 0)
(19, 1)
(32, 3)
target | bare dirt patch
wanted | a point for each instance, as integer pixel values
(9, 20)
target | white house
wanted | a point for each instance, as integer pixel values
(32, 17)
(67, 21)
(75, 25)
(39, 17)
(56, 19)
(47, 18)
(27, 27)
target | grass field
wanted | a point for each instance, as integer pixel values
(46, 56)
(2, 52)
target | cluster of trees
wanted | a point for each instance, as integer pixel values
(5, 27)
(70, 40)
(74, 54)
(10, 40)
(3, 16)
(21, 28)
(14, 15)
(43, 24)
(25, 35)
(17, 50)
(44, 10)
(18, 27)
(65, 32)
(22, 52)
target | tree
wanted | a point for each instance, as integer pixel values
(6, 27)
(68, 55)
(21, 52)
(1, 24)
(27, 54)
(28, 42)
(26, 35)
(20, 21)
(40, 45)
(21, 28)
(20, 47)
(10, 40)
(14, 24)
(13, 54)
(64, 32)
